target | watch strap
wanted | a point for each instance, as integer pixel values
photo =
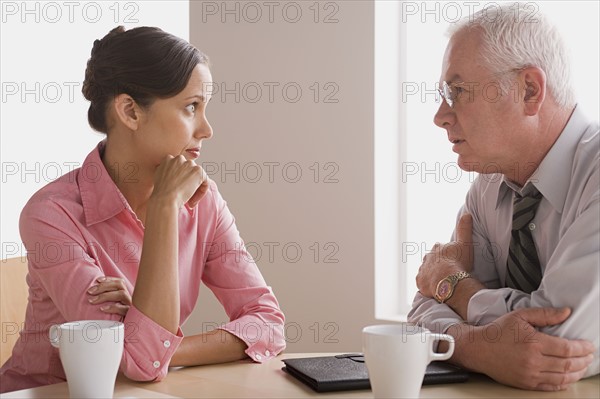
(456, 277)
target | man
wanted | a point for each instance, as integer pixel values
(518, 287)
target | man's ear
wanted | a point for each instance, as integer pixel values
(533, 89)
(127, 111)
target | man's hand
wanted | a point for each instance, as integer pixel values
(446, 259)
(513, 352)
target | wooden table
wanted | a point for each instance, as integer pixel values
(245, 379)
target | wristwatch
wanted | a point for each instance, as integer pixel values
(445, 287)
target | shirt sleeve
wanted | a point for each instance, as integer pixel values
(436, 317)
(232, 275)
(66, 267)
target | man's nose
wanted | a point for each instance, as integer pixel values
(445, 116)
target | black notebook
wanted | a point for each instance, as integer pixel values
(349, 372)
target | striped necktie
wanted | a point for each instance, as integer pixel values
(523, 265)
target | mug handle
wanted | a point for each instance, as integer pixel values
(54, 335)
(441, 356)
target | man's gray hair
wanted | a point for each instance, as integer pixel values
(516, 35)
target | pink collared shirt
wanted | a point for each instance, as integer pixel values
(80, 227)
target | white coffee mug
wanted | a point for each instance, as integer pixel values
(397, 356)
(90, 352)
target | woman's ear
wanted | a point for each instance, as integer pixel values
(533, 89)
(127, 111)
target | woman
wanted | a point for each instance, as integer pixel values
(130, 234)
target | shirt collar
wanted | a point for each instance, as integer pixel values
(552, 177)
(100, 196)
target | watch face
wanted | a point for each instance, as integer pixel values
(444, 289)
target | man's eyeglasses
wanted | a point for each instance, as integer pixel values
(450, 92)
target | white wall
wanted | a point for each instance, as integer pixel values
(44, 132)
(326, 292)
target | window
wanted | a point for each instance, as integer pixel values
(418, 185)
(43, 63)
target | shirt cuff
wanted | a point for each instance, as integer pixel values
(149, 347)
(264, 340)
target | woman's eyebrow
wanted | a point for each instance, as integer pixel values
(201, 97)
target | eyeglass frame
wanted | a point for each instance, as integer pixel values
(446, 90)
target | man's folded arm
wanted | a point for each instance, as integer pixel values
(571, 279)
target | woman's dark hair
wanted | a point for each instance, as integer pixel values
(146, 63)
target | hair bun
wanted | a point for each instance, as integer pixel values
(91, 89)
(96, 47)
(99, 44)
